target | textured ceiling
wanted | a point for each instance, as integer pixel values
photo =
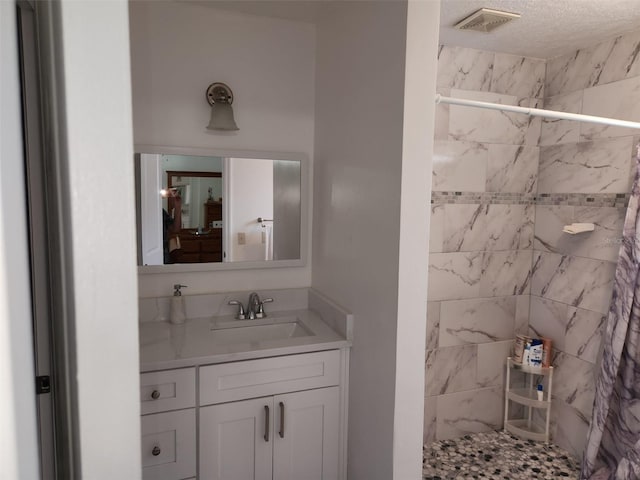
(547, 28)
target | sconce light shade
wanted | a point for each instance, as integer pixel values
(220, 97)
(222, 117)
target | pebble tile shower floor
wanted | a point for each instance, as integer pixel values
(499, 456)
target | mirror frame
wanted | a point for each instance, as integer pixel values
(305, 194)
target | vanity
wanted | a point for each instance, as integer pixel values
(260, 399)
(225, 397)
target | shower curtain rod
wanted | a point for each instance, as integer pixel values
(538, 112)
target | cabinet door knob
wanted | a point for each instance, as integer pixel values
(155, 394)
(156, 451)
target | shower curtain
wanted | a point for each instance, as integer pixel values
(613, 443)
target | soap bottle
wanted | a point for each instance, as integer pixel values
(177, 305)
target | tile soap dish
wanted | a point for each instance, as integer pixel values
(578, 228)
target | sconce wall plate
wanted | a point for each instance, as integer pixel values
(219, 93)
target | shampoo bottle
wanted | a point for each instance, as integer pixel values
(525, 355)
(177, 305)
(540, 392)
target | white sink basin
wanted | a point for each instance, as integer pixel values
(259, 333)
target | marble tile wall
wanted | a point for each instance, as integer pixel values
(572, 276)
(599, 64)
(481, 246)
(598, 166)
(504, 185)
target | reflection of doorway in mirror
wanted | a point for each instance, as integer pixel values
(250, 191)
(197, 192)
(200, 232)
(267, 189)
(198, 167)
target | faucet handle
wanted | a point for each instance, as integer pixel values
(240, 315)
(261, 313)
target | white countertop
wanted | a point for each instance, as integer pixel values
(166, 346)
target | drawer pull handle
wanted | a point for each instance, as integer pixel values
(155, 394)
(266, 423)
(281, 432)
(156, 451)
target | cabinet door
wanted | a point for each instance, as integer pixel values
(306, 435)
(232, 440)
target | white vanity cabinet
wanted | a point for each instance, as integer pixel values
(276, 418)
(262, 399)
(169, 433)
(291, 435)
(286, 437)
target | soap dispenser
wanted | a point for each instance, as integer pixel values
(177, 305)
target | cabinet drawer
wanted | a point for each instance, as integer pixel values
(169, 390)
(269, 376)
(169, 445)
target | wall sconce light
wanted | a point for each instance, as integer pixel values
(220, 97)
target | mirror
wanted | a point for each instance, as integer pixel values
(206, 210)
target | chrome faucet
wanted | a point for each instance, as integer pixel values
(255, 307)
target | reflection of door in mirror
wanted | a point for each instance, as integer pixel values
(199, 236)
(286, 209)
(148, 170)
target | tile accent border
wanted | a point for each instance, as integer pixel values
(572, 199)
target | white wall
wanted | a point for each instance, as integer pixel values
(417, 158)
(95, 77)
(18, 437)
(270, 66)
(357, 180)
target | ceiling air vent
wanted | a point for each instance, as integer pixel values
(485, 20)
